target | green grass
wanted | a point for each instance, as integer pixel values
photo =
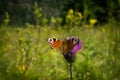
(25, 54)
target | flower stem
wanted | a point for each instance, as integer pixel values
(70, 71)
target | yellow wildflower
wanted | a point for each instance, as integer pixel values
(79, 15)
(92, 21)
(21, 68)
(68, 16)
(53, 20)
(70, 11)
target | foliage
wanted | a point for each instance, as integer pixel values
(6, 20)
(37, 13)
(25, 54)
(73, 18)
(101, 10)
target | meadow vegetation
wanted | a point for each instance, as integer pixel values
(25, 54)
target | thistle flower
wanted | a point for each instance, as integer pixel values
(68, 47)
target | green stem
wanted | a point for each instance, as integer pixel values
(70, 71)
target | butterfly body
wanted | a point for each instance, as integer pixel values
(68, 47)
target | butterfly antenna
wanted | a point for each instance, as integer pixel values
(70, 71)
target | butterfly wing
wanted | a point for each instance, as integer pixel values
(67, 46)
(55, 43)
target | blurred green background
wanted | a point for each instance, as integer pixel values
(25, 26)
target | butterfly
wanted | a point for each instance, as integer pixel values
(68, 46)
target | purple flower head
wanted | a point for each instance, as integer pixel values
(77, 47)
